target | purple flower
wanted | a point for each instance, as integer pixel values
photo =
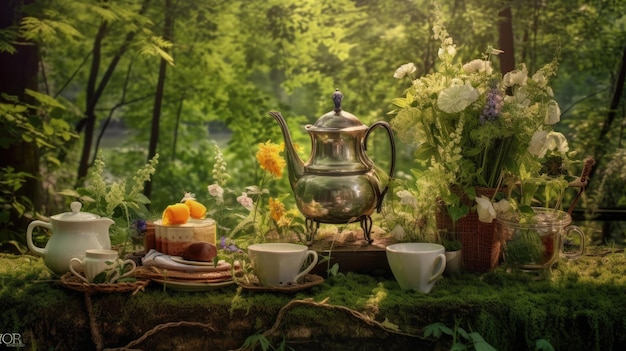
(225, 246)
(493, 106)
(139, 225)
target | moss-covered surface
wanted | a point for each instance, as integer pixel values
(582, 306)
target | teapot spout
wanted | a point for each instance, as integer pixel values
(103, 224)
(295, 166)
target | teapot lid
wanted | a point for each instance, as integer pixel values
(76, 215)
(337, 119)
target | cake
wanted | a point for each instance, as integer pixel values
(174, 239)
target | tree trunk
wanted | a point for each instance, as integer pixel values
(158, 99)
(94, 93)
(505, 43)
(600, 149)
(18, 72)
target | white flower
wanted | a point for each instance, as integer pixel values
(449, 50)
(478, 66)
(398, 232)
(540, 78)
(456, 98)
(502, 206)
(485, 210)
(544, 141)
(536, 146)
(216, 191)
(405, 69)
(520, 97)
(188, 196)
(557, 142)
(407, 198)
(245, 201)
(516, 77)
(553, 113)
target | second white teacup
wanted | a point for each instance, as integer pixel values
(97, 261)
(416, 266)
(278, 264)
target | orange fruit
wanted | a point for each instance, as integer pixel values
(196, 209)
(176, 214)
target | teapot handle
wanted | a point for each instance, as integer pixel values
(392, 168)
(29, 236)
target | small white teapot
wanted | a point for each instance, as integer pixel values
(72, 234)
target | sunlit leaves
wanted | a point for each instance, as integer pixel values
(8, 38)
(156, 46)
(44, 99)
(50, 28)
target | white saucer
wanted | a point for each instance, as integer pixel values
(179, 259)
(191, 286)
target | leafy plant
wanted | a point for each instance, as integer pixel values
(464, 340)
(461, 339)
(260, 339)
(119, 200)
(451, 244)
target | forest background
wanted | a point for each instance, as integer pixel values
(130, 79)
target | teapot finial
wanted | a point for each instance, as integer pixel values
(337, 97)
(75, 206)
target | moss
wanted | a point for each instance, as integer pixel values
(580, 306)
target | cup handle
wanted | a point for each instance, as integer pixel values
(116, 274)
(79, 261)
(440, 267)
(581, 235)
(313, 254)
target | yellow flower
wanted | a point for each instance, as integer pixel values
(269, 158)
(277, 209)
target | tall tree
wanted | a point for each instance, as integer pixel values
(506, 40)
(18, 72)
(168, 34)
(95, 88)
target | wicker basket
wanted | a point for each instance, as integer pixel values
(479, 241)
(72, 282)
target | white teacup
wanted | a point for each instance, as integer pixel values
(97, 261)
(277, 264)
(416, 266)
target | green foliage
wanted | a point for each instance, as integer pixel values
(610, 191)
(234, 63)
(259, 339)
(22, 122)
(461, 339)
(120, 200)
(28, 122)
(8, 37)
(49, 28)
(10, 200)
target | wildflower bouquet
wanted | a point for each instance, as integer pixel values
(472, 126)
(263, 215)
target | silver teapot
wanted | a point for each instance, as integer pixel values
(339, 183)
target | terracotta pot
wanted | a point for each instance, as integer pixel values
(481, 247)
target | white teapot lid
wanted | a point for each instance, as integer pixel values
(76, 215)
